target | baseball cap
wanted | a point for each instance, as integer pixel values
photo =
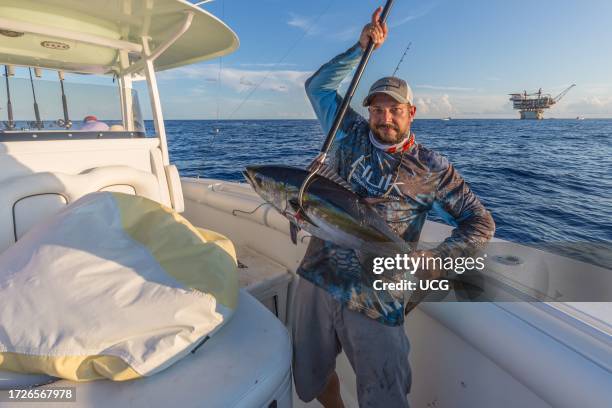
(90, 118)
(395, 87)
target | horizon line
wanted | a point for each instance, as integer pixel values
(440, 118)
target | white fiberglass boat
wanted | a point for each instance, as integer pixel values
(528, 354)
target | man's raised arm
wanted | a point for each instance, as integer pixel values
(322, 86)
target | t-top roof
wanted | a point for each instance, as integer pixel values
(87, 35)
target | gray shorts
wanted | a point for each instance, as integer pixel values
(322, 327)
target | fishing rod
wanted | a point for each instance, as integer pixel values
(343, 108)
(39, 123)
(9, 106)
(401, 59)
(66, 122)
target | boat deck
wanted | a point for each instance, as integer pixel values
(266, 280)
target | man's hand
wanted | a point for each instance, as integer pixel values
(375, 31)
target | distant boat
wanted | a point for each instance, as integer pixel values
(579, 117)
(447, 118)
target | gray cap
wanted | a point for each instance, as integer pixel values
(396, 88)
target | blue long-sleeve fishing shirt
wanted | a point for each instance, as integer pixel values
(413, 183)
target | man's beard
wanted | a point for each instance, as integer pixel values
(386, 138)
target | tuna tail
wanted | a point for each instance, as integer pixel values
(248, 174)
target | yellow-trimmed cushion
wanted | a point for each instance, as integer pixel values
(114, 286)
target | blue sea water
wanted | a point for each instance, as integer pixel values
(544, 181)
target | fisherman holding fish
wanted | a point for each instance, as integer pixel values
(381, 160)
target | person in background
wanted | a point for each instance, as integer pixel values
(91, 123)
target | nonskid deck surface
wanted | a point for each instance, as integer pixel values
(265, 279)
(255, 269)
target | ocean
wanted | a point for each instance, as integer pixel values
(546, 182)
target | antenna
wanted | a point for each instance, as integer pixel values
(66, 122)
(39, 124)
(401, 59)
(219, 74)
(9, 70)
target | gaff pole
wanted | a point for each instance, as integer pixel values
(346, 101)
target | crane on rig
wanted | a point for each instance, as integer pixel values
(531, 106)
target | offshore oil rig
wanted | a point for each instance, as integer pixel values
(531, 106)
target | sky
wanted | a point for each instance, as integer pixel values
(464, 60)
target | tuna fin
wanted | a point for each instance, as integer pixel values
(294, 204)
(329, 173)
(299, 211)
(293, 231)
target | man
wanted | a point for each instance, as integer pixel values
(335, 305)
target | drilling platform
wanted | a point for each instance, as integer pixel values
(531, 106)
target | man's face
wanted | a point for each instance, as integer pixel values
(389, 119)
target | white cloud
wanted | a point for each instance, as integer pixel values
(305, 24)
(435, 106)
(241, 80)
(313, 27)
(267, 64)
(418, 14)
(595, 88)
(404, 20)
(443, 88)
(347, 33)
(446, 104)
(298, 21)
(590, 105)
(198, 91)
(465, 106)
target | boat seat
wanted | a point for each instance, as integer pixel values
(245, 364)
(26, 200)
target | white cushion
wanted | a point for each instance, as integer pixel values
(19, 210)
